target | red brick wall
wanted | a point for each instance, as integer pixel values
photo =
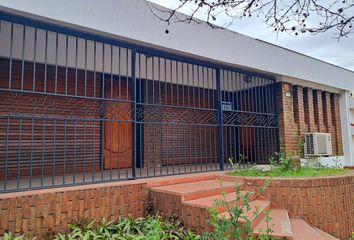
(287, 126)
(303, 110)
(326, 203)
(37, 213)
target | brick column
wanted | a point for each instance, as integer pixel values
(309, 110)
(320, 120)
(299, 112)
(337, 123)
(299, 109)
(287, 126)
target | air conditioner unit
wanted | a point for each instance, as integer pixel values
(318, 144)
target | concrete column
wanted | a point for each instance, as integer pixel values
(346, 131)
(337, 118)
(330, 128)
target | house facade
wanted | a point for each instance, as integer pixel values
(94, 92)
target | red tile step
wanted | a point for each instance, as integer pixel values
(184, 178)
(303, 231)
(255, 214)
(326, 235)
(190, 198)
(198, 189)
(279, 224)
(208, 202)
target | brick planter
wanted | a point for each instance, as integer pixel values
(325, 202)
(41, 212)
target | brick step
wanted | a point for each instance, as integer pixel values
(208, 202)
(303, 231)
(279, 224)
(255, 214)
(195, 190)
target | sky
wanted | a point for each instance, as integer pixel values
(323, 46)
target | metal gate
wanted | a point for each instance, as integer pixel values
(77, 108)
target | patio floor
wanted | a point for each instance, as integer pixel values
(26, 183)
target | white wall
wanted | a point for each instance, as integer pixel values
(116, 60)
(132, 19)
(332, 161)
(347, 140)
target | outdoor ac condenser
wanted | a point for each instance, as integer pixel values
(318, 144)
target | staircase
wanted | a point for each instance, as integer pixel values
(191, 199)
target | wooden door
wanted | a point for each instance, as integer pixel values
(118, 136)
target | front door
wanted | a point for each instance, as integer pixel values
(118, 141)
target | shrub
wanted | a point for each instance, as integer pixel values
(231, 227)
(150, 228)
(9, 236)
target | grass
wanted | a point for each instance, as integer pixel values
(276, 172)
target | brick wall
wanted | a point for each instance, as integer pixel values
(327, 202)
(303, 110)
(40, 212)
(287, 127)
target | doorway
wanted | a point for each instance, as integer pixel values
(118, 127)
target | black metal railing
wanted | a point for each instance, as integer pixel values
(77, 108)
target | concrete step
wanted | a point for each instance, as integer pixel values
(303, 231)
(279, 224)
(198, 189)
(255, 214)
(208, 202)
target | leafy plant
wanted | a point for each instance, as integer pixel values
(352, 237)
(242, 162)
(285, 161)
(266, 233)
(237, 225)
(9, 236)
(300, 143)
(337, 162)
(150, 228)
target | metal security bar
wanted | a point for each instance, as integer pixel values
(249, 119)
(77, 108)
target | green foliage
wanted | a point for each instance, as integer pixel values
(283, 167)
(300, 143)
(352, 237)
(9, 236)
(266, 233)
(237, 225)
(301, 172)
(150, 228)
(242, 161)
(285, 161)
